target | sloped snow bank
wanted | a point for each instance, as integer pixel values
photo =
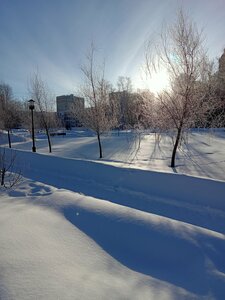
(44, 256)
(194, 200)
(57, 243)
(181, 254)
(185, 188)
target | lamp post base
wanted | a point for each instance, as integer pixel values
(34, 149)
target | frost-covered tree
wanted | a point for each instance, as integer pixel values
(125, 101)
(6, 94)
(188, 100)
(144, 110)
(10, 116)
(128, 103)
(98, 115)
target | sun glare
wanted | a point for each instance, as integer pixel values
(158, 81)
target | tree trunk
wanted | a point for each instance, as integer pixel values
(2, 176)
(49, 140)
(9, 139)
(99, 145)
(175, 147)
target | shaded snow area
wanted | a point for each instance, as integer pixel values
(15, 138)
(75, 228)
(203, 153)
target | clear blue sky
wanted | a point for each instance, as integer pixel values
(54, 35)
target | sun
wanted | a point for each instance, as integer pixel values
(156, 83)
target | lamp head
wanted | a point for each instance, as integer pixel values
(31, 104)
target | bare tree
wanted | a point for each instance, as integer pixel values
(39, 92)
(9, 110)
(144, 110)
(6, 94)
(126, 102)
(98, 115)
(180, 52)
(8, 174)
(124, 84)
(12, 118)
(5, 98)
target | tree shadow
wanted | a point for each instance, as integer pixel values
(147, 250)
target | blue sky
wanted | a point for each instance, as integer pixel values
(54, 35)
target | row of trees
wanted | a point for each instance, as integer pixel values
(9, 117)
(106, 108)
(9, 109)
(192, 99)
(15, 114)
(195, 96)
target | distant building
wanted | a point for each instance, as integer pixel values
(65, 105)
(221, 74)
(222, 63)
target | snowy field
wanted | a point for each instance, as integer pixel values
(125, 227)
(203, 156)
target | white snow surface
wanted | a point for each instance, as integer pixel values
(75, 228)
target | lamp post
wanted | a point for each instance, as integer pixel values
(31, 107)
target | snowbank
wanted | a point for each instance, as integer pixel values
(78, 229)
(67, 173)
(59, 244)
(44, 256)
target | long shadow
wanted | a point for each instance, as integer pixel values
(116, 193)
(89, 150)
(196, 158)
(153, 192)
(155, 253)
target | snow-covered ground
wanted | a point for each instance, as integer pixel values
(204, 155)
(79, 228)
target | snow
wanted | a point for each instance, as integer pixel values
(204, 156)
(123, 228)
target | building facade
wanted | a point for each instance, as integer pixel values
(65, 106)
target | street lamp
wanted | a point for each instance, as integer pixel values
(31, 107)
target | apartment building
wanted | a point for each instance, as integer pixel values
(65, 105)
